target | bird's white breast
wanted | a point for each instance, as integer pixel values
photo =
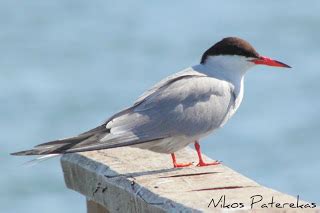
(238, 96)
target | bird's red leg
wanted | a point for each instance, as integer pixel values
(201, 162)
(178, 165)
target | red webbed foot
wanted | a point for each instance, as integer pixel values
(178, 165)
(181, 165)
(201, 162)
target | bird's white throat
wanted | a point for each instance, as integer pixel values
(231, 68)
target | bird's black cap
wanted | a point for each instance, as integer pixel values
(231, 46)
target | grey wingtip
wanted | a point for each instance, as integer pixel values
(22, 153)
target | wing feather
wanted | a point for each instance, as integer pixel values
(191, 105)
(186, 104)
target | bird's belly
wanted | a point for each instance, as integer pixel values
(167, 145)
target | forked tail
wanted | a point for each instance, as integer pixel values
(63, 145)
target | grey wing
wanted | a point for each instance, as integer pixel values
(187, 105)
(186, 72)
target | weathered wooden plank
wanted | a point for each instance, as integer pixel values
(93, 207)
(134, 180)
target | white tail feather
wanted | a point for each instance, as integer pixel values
(39, 159)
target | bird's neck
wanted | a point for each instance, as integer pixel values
(227, 68)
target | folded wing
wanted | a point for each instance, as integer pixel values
(186, 104)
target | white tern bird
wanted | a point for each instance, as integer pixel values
(179, 110)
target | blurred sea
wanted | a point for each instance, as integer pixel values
(68, 65)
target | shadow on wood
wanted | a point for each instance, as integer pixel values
(134, 180)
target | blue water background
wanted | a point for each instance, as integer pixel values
(65, 66)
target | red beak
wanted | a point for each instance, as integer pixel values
(270, 62)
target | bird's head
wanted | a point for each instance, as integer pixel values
(236, 54)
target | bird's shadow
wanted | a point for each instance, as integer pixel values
(144, 173)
